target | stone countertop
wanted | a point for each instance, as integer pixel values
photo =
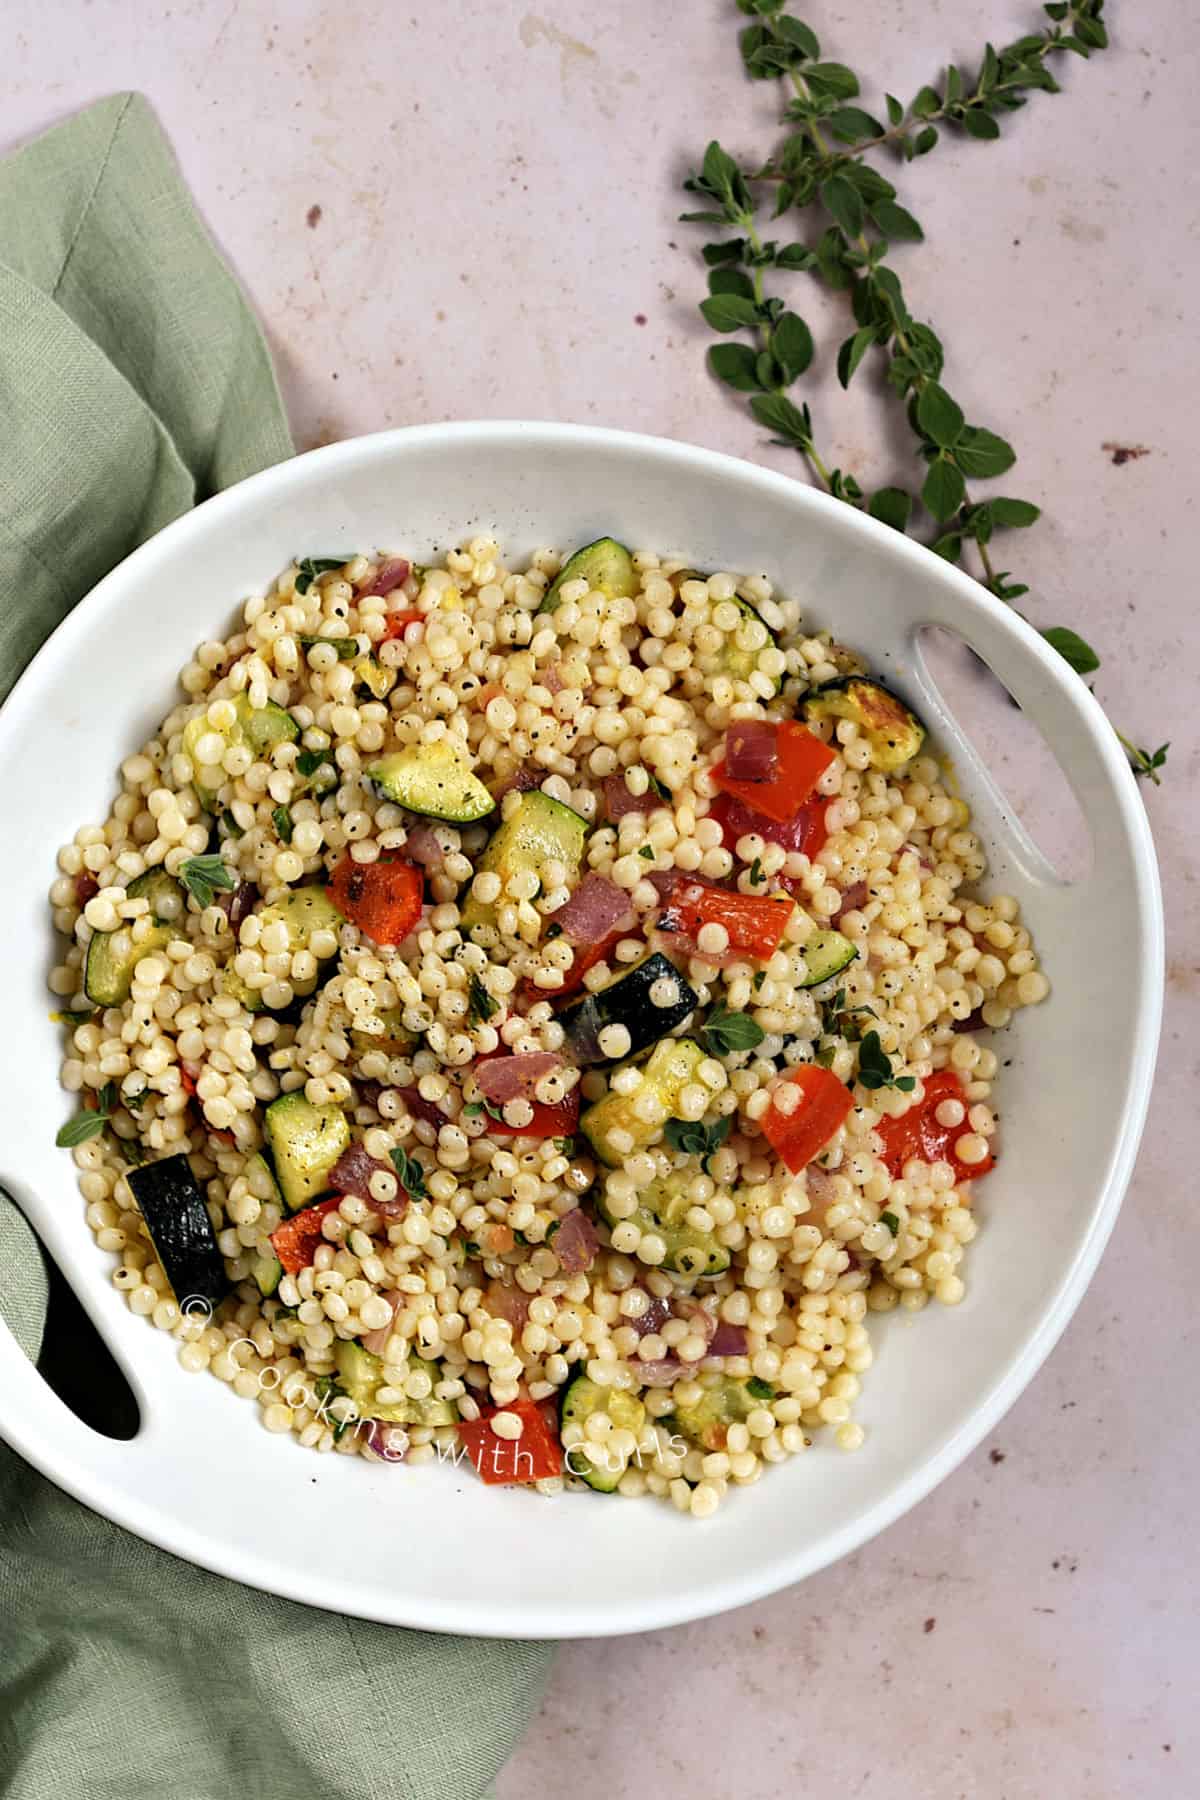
(469, 210)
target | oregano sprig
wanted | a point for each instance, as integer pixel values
(820, 167)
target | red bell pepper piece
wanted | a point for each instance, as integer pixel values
(586, 957)
(804, 832)
(560, 1120)
(534, 1456)
(918, 1134)
(825, 1103)
(754, 923)
(297, 1240)
(396, 622)
(803, 759)
(382, 898)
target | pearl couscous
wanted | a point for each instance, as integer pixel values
(562, 997)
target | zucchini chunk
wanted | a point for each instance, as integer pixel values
(626, 1001)
(724, 1402)
(112, 955)
(892, 730)
(267, 1272)
(172, 1203)
(827, 953)
(347, 647)
(306, 1141)
(614, 1126)
(538, 830)
(305, 911)
(662, 1208)
(435, 779)
(375, 676)
(581, 1398)
(605, 565)
(360, 1375)
(259, 728)
(394, 1040)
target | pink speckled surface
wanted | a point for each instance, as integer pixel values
(463, 210)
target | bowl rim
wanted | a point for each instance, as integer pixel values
(311, 1587)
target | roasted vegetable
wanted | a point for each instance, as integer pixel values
(604, 564)
(435, 779)
(580, 1400)
(616, 1125)
(538, 830)
(662, 1209)
(306, 1141)
(892, 730)
(172, 1203)
(112, 955)
(627, 1001)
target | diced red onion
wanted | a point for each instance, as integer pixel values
(420, 1108)
(575, 1242)
(922, 857)
(661, 1374)
(618, 801)
(424, 846)
(752, 750)
(86, 887)
(697, 1316)
(377, 1341)
(511, 1303)
(974, 1021)
(388, 1442)
(728, 1340)
(552, 678)
(596, 907)
(352, 1172)
(819, 1186)
(369, 1093)
(852, 899)
(388, 577)
(238, 903)
(653, 1319)
(524, 778)
(505, 1078)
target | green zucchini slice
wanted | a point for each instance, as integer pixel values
(580, 1399)
(112, 955)
(305, 911)
(172, 1203)
(360, 1375)
(306, 1141)
(827, 953)
(893, 732)
(662, 1208)
(615, 1129)
(538, 830)
(626, 1001)
(605, 565)
(435, 779)
(260, 728)
(724, 1402)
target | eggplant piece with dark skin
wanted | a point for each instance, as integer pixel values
(626, 1001)
(172, 1203)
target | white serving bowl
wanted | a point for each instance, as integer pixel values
(434, 1547)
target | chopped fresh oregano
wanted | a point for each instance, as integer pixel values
(875, 1066)
(891, 1221)
(821, 169)
(660, 788)
(756, 874)
(309, 761)
(409, 1173)
(566, 1146)
(309, 567)
(647, 851)
(727, 1032)
(475, 1107)
(480, 1004)
(73, 1018)
(1145, 763)
(90, 1122)
(696, 1139)
(760, 1390)
(232, 828)
(205, 877)
(281, 818)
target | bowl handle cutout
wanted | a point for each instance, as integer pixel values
(1053, 733)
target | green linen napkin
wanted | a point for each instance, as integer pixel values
(134, 382)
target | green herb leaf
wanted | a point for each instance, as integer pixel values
(852, 353)
(480, 1004)
(310, 567)
(891, 1221)
(409, 1173)
(756, 874)
(1077, 651)
(728, 1032)
(647, 851)
(778, 414)
(281, 818)
(940, 417)
(842, 200)
(205, 877)
(731, 281)
(233, 829)
(729, 312)
(895, 222)
(661, 789)
(791, 345)
(78, 1130)
(875, 1066)
(980, 124)
(944, 489)
(831, 81)
(566, 1146)
(760, 1390)
(795, 256)
(737, 366)
(66, 1017)
(850, 124)
(309, 761)
(1144, 763)
(893, 506)
(1014, 512)
(982, 453)
(696, 1139)
(729, 250)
